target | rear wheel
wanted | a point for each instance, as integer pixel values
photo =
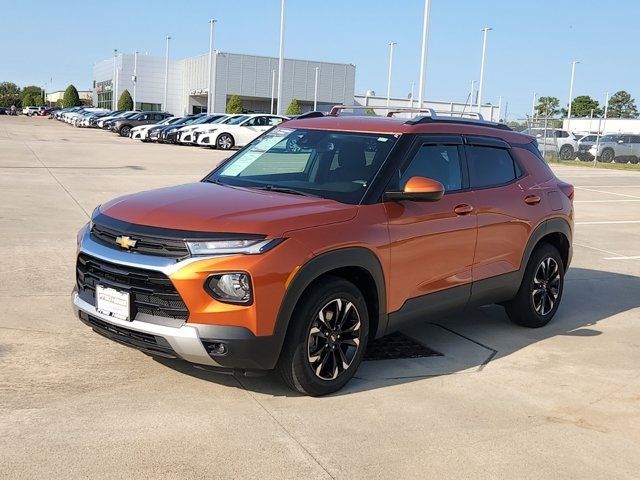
(540, 292)
(567, 152)
(622, 160)
(124, 131)
(224, 142)
(327, 338)
(634, 160)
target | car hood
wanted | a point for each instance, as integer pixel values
(208, 207)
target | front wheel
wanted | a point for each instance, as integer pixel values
(224, 142)
(607, 155)
(540, 292)
(327, 338)
(124, 131)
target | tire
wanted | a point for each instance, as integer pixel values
(531, 309)
(124, 131)
(314, 356)
(634, 160)
(567, 153)
(224, 142)
(621, 160)
(607, 155)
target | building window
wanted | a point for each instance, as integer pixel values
(105, 100)
(148, 107)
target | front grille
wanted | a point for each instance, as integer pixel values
(151, 292)
(143, 341)
(162, 247)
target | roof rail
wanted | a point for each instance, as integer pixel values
(336, 109)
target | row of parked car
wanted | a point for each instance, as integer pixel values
(223, 131)
(618, 148)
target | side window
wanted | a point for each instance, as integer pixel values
(274, 121)
(439, 162)
(489, 166)
(252, 122)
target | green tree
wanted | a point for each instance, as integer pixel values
(370, 111)
(32, 91)
(38, 102)
(27, 101)
(234, 105)
(9, 94)
(71, 97)
(294, 108)
(621, 105)
(125, 102)
(582, 106)
(548, 106)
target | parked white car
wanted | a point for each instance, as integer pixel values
(30, 111)
(120, 114)
(557, 140)
(140, 132)
(620, 148)
(188, 134)
(238, 131)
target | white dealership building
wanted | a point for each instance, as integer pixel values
(253, 78)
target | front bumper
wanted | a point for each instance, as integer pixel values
(189, 341)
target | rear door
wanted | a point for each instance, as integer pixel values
(505, 201)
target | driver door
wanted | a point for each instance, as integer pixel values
(251, 129)
(432, 243)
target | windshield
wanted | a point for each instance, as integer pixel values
(203, 119)
(334, 165)
(237, 120)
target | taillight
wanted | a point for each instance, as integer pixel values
(567, 189)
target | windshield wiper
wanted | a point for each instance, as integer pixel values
(276, 188)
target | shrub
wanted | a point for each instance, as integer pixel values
(37, 101)
(71, 97)
(125, 102)
(294, 108)
(27, 101)
(234, 105)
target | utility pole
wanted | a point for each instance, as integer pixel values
(484, 56)
(573, 74)
(166, 75)
(315, 92)
(114, 100)
(391, 45)
(135, 77)
(533, 106)
(423, 53)
(210, 96)
(281, 58)
(273, 86)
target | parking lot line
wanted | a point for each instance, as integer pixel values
(603, 191)
(618, 255)
(636, 257)
(608, 201)
(609, 222)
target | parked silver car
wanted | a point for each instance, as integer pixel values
(621, 148)
(584, 144)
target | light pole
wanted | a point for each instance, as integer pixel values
(210, 99)
(315, 92)
(391, 45)
(573, 74)
(113, 81)
(484, 56)
(281, 59)
(473, 89)
(135, 77)
(423, 54)
(166, 75)
(413, 84)
(273, 87)
(533, 105)
(602, 130)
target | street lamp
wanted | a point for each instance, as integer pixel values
(423, 54)
(166, 75)
(484, 57)
(391, 45)
(281, 58)
(273, 86)
(114, 100)
(315, 92)
(533, 106)
(573, 74)
(210, 98)
(135, 77)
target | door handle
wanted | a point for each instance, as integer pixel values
(463, 209)
(532, 199)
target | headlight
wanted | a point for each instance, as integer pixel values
(228, 247)
(211, 130)
(234, 287)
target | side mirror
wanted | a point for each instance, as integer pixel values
(620, 141)
(538, 135)
(418, 189)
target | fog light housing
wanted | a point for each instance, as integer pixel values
(232, 287)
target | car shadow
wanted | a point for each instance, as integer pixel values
(468, 342)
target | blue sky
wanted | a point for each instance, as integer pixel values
(529, 50)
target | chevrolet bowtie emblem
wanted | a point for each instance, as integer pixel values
(126, 242)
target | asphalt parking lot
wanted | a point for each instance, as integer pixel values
(500, 402)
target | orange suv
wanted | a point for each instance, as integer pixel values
(323, 234)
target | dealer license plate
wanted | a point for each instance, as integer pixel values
(112, 302)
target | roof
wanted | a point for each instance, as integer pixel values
(394, 125)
